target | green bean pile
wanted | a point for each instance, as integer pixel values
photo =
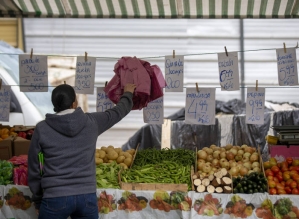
(181, 156)
(162, 172)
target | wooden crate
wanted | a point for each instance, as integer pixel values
(153, 186)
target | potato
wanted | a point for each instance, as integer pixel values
(118, 150)
(98, 161)
(96, 154)
(112, 154)
(101, 154)
(120, 159)
(127, 155)
(131, 151)
(105, 159)
(111, 147)
(111, 161)
(128, 161)
(124, 166)
(121, 153)
(103, 148)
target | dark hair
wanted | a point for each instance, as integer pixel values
(63, 97)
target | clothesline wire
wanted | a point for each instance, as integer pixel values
(15, 85)
(151, 57)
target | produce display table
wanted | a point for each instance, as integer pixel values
(121, 204)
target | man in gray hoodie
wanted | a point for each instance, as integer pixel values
(67, 139)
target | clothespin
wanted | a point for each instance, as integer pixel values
(197, 87)
(31, 53)
(284, 48)
(64, 82)
(106, 83)
(85, 56)
(173, 53)
(225, 51)
(0, 83)
(256, 85)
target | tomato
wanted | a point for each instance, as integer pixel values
(275, 179)
(270, 178)
(269, 172)
(279, 177)
(293, 184)
(293, 172)
(275, 169)
(288, 190)
(289, 160)
(283, 183)
(281, 191)
(288, 182)
(295, 177)
(272, 191)
(295, 191)
(279, 186)
(271, 183)
(286, 176)
(295, 163)
(267, 165)
(284, 169)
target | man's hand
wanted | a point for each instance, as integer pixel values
(129, 88)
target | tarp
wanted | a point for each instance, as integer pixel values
(151, 8)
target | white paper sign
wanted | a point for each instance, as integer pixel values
(174, 73)
(103, 102)
(4, 103)
(200, 106)
(153, 113)
(85, 74)
(33, 73)
(255, 105)
(287, 67)
(228, 71)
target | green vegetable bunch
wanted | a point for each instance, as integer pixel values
(6, 172)
(154, 156)
(107, 175)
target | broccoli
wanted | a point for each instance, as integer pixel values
(283, 206)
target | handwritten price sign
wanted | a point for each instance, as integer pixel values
(153, 112)
(200, 106)
(228, 71)
(85, 74)
(103, 102)
(4, 103)
(174, 73)
(287, 67)
(255, 105)
(33, 73)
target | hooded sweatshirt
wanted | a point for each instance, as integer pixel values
(68, 143)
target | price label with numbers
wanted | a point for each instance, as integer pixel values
(255, 105)
(85, 74)
(200, 106)
(153, 113)
(228, 71)
(287, 67)
(103, 101)
(4, 103)
(174, 73)
(33, 73)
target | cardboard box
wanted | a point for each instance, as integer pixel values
(6, 148)
(20, 146)
(281, 152)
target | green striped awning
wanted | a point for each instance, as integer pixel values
(193, 9)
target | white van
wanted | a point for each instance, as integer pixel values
(26, 108)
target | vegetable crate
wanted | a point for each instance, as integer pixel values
(154, 186)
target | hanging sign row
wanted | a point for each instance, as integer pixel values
(200, 104)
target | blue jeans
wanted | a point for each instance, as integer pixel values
(75, 206)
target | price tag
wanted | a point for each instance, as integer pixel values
(200, 106)
(153, 113)
(4, 103)
(255, 105)
(33, 73)
(103, 102)
(287, 67)
(85, 74)
(228, 71)
(174, 73)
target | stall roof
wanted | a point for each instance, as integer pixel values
(151, 8)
